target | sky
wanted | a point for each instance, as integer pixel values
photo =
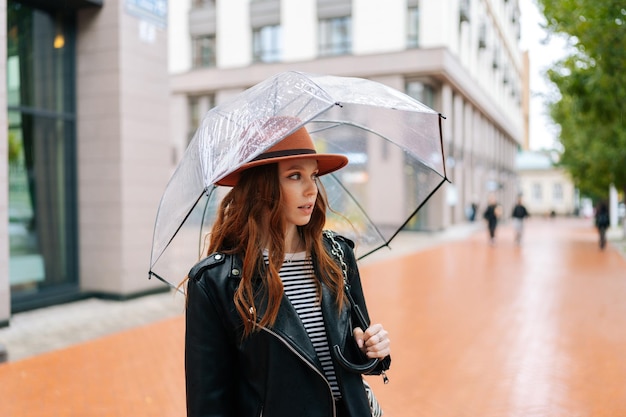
(542, 55)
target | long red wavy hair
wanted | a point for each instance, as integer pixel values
(250, 218)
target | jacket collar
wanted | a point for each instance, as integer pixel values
(289, 326)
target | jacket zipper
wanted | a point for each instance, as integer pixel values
(305, 361)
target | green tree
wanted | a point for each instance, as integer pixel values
(591, 109)
(15, 149)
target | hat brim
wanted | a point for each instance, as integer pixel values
(326, 163)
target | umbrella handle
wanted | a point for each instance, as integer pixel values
(352, 367)
(366, 367)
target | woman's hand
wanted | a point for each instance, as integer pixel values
(374, 341)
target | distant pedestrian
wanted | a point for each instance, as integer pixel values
(492, 214)
(519, 214)
(602, 222)
(470, 211)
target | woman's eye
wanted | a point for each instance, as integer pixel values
(299, 176)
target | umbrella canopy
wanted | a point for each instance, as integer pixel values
(393, 143)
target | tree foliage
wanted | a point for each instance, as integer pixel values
(591, 109)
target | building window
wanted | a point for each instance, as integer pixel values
(482, 36)
(197, 107)
(335, 36)
(203, 51)
(557, 192)
(193, 104)
(464, 11)
(41, 76)
(421, 92)
(496, 58)
(412, 36)
(267, 44)
(196, 4)
(537, 192)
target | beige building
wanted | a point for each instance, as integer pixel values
(86, 87)
(459, 57)
(545, 188)
(102, 97)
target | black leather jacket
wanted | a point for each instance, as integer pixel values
(273, 372)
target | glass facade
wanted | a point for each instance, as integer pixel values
(335, 36)
(413, 22)
(425, 94)
(267, 44)
(203, 49)
(42, 118)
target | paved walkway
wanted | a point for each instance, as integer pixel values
(477, 330)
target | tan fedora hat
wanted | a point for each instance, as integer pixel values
(298, 145)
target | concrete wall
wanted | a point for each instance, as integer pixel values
(300, 31)
(374, 31)
(179, 46)
(124, 149)
(234, 43)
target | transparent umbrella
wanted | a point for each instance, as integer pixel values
(393, 143)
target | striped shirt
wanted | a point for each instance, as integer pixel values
(298, 278)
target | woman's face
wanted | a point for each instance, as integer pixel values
(299, 189)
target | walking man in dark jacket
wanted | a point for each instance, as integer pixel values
(519, 214)
(602, 222)
(492, 214)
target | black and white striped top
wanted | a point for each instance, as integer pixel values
(298, 278)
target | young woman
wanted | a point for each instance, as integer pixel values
(267, 306)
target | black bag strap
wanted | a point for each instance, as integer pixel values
(337, 251)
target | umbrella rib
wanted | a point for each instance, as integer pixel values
(306, 106)
(406, 221)
(154, 274)
(203, 216)
(443, 180)
(175, 233)
(355, 201)
(367, 129)
(443, 157)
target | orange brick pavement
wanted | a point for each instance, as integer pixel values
(137, 372)
(476, 330)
